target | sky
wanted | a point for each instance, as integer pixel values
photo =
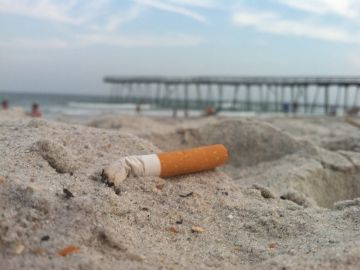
(68, 46)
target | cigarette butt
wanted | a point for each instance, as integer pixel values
(192, 160)
(167, 164)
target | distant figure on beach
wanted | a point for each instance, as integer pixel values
(208, 111)
(353, 111)
(285, 107)
(294, 107)
(138, 108)
(35, 112)
(333, 110)
(5, 104)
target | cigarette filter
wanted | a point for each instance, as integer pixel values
(167, 164)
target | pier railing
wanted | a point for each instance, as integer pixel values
(308, 95)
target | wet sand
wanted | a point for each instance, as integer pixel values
(287, 199)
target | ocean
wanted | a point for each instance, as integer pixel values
(54, 106)
(74, 106)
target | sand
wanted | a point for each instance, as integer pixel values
(286, 200)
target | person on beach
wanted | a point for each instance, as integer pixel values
(35, 112)
(208, 111)
(5, 104)
(353, 111)
(333, 110)
(295, 107)
(286, 107)
(138, 108)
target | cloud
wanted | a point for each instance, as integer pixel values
(345, 8)
(168, 7)
(272, 23)
(45, 10)
(31, 43)
(73, 12)
(132, 14)
(195, 3)
(177, 40)
(92, 27)
(90, 12)
(110, 40)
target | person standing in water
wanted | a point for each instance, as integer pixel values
(5, 104)
(35, 112)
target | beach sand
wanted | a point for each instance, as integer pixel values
(287, 199)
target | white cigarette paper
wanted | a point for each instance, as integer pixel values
(146, 165)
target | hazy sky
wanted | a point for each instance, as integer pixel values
(68, 46)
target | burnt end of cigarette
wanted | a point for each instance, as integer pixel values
(104, 179)
(116, 173)
(135, 166)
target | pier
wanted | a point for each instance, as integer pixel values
(305, 95)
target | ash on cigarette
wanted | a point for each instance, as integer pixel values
(288, 199)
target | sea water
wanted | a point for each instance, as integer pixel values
(54, 106)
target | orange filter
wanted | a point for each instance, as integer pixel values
(192, 160)
(68, 250)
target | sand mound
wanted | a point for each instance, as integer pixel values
(201, 221)
(330, 133)
(315, 129)
(132, 124)
(348, 143)
(295, 169)
(249, 141)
